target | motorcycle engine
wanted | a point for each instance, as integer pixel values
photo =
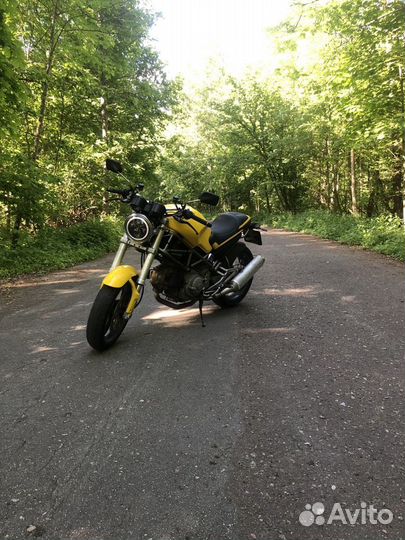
(178, 285)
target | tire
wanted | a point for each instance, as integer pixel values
(239, 254)
(106, 320)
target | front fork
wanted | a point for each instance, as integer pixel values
(145, 270)
(124, 243)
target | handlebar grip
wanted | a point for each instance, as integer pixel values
(188, 214)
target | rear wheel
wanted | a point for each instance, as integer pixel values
(106, 320)
(240, 255)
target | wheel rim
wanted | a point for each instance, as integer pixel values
(115, 321)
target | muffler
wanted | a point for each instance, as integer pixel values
(239, 281)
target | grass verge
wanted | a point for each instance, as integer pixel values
(383, 234)
(54, 249)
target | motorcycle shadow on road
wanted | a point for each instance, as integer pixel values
(152, 330)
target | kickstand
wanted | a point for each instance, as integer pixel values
(200, 306)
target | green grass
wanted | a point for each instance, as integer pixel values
(383, 234)
(54, 249)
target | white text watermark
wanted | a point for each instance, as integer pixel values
(367, 513)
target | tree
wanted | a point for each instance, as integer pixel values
(92, 86)
(251, 143)
(356, 83)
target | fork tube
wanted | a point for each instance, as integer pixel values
(149, 259)
(120, 252)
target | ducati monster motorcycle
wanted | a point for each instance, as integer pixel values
(186, 258)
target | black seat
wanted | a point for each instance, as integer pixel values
(226, 225)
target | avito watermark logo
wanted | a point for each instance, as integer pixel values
(315, 513)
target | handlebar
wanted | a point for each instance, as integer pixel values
(188, 214)
(122, 192)
(183, 213)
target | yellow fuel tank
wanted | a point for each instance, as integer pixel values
(200, 237)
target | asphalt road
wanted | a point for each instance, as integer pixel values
(225, 432)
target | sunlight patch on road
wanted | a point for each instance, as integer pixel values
(177, 317)
(67, 291)
(78, 327)
(23, 285)
(280, 330)
(310, 291)
(348, 299)
(42, 349)
(67, 276)
(302, 291)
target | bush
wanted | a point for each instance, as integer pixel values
(53, 249)
(384, 234)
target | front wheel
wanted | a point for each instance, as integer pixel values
(239, 255)
(107, 316)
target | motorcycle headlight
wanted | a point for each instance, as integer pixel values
(139, 228)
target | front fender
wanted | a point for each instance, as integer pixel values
(118, 277)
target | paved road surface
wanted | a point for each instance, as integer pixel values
(224, 432)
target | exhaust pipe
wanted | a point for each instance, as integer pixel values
(239, 281)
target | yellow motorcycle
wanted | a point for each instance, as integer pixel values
(197, 260)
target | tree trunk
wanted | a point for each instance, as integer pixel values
(104, 119)
(8, 211)
(397, 179)
(104, 132)
(373, 188)
(353, 183)
(266, 192)
(397, 187)
(60, 127)
(401, 85)
(328, 182)
(336, 206)
(53, 40)
(15, 233)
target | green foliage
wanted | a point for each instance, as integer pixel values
(383, 234)
(11, 90)
(325, 129)
(56, 248)
(245, 140)
(79, 82)
(354, 99)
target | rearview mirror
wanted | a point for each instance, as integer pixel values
(113, 165)
(209, 198)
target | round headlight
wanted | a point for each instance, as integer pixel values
(139, 228)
